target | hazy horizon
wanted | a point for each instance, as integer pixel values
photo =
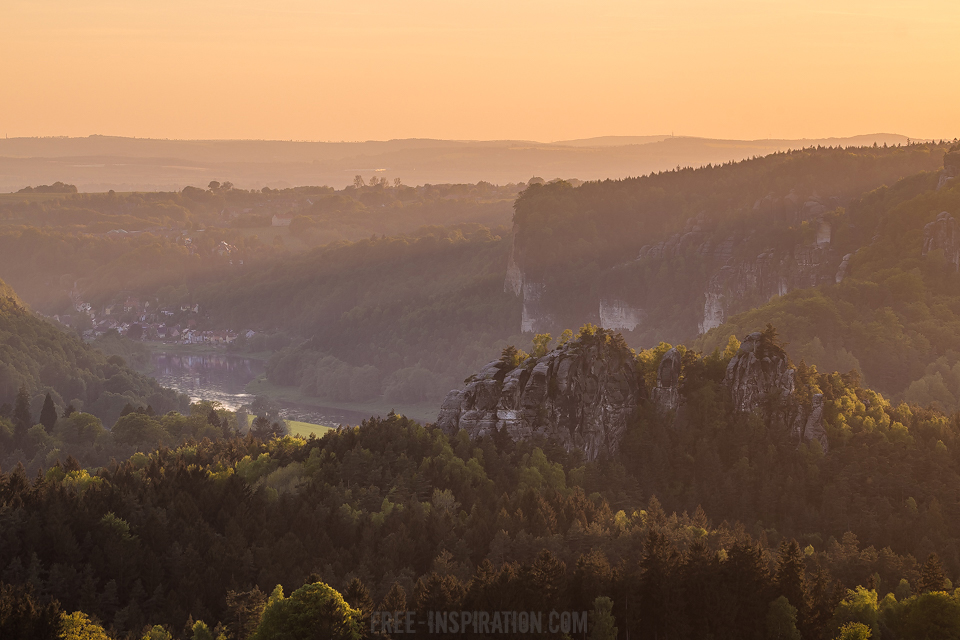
(299, 70)
(102, 163)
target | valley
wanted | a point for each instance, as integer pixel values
(751, 363)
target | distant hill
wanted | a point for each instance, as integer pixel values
(101, 163)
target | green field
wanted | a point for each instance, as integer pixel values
(297, 428)
(304, 429)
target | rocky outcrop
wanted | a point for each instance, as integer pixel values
(943, 234)
(843, 268)
(742, 282)
(737, 282)
(759, 378)
(532, 315)
(585, 394)
(808, 425)
(513, 282)
(666, 394)
(582, 395)
(733, 282)
(951, 168)
(617, 314)
(758, 374)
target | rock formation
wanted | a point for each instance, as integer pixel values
(666, 394)
(582, 395)
(585, 394)
(943, 234)
(617, 314)
(742, 282)
(734, 282)
(759, 378)
(843, 268)
(951, 168)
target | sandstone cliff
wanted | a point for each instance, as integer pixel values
(585, 394)
(733, 279)
(582, 395)
(944, 235)
(760, 379)
(951, 168)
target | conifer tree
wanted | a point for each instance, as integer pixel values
(790, 578)
(358, 597)
(396, 599)
(48, 414)
(603, 627)
(931, 577)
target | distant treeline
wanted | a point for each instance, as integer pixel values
(102, 244)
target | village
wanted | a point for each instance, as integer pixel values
(145, 320)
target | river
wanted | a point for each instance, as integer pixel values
(223, 378)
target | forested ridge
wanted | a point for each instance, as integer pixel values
(694, 530)
(580, 244)
(561, 231)
(894, 317)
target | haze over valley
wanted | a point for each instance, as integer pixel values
(102, 163)
(527, 320)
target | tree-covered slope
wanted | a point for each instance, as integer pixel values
(404, 317)
(398, 516)
(40, 357)
(895, 316)
(665, 255)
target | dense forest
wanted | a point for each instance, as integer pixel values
(585, 244)
(895, 317)
(721, 527)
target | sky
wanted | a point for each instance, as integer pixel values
(492, 70)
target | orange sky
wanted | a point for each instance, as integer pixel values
(535, 70)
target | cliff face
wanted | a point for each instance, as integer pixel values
(951, 168)
(759, 379)
(533, 315)
(666, 394)
(740, 283)
(582, 395)
(943, 234)
(585, 394)
(729, 282)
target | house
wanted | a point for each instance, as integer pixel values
(131, 304)
(282, 220)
